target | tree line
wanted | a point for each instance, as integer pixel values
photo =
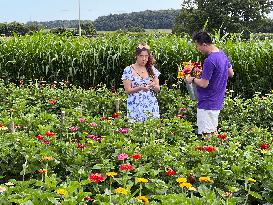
(226, 16)
(161, 19)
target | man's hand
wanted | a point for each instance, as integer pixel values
(189, 79)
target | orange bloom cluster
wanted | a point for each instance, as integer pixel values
(52, 102)
(42, 170)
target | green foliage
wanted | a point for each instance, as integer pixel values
(224, 15)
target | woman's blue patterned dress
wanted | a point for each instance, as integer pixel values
(141, 105)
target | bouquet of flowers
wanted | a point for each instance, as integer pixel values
(190, 69)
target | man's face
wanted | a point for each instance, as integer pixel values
(201, 47)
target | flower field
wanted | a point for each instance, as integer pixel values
(67, 145)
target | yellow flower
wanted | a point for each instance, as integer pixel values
(185, 185)
(205, 179)
(181, 180)
(180, 74)
(62, 191)
(121, 190)
(111, 174)
(86, 133)
(142, 180)
(251, 180)
(264, 151)
(143, 199)
(192, 189)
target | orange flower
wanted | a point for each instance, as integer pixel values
(42, 170)
(49, 158)
(52, 102)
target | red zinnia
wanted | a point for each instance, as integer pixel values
(126, 167)
(170, 172)
(264, 146)
(104, 118)
(210, 148)
(136, 156)
(96, 177)
(223, 136)
(39, 137)
(115, 115)
(50, 134)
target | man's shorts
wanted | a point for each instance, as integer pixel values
(207, 121)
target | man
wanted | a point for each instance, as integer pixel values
(211, 86)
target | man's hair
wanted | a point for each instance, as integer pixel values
(202, 37)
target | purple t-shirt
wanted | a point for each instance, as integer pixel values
(215, 70)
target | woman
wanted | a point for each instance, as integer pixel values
(140, 82)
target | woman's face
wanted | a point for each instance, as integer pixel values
(142, 58)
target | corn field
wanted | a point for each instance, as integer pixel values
(91, 61)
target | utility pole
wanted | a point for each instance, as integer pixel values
(80, 31)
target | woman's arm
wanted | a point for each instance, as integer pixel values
(129, 90)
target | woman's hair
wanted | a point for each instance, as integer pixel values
(151, 61)
(202, 37)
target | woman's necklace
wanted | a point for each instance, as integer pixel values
(143, 71)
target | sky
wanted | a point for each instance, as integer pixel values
(49, 10)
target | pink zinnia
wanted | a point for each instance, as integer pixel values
(82, 119)
(183, 109)
(73, 128)
(45, 142)
(94, 137)
(181, 116)
(123, 130)
(122, 156)
(93, 124)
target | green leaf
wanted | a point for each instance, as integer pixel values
(255, 194)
